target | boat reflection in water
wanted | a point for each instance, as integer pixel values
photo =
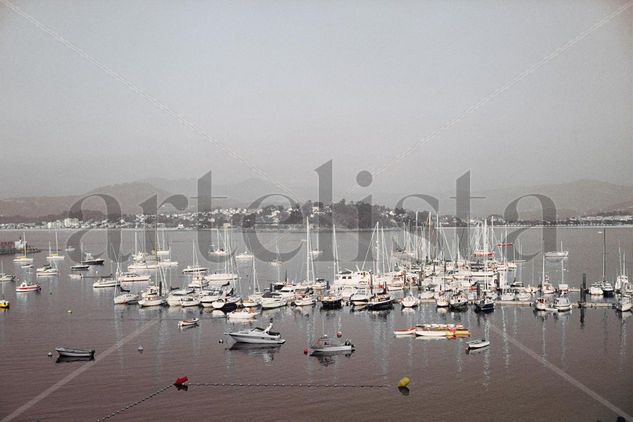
(331, 357)
(266, 351)
(68, 359)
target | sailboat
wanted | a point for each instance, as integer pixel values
(4, 276)
(194, 268)
(622, 281)
(54, 256)
(154, 295)
(555, 255)
(607, 288)
(23, 259)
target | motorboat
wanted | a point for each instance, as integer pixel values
(562, 303)
(5, 276)
(46, 271)
(151, 298)
(507, 296)
(523, 296)
(80, 267)
(360, 298)
(27, 287)
(541, 304)
(273, 302)
(305, 301)
(485, 305)
(410, 302)
(324, 345)
(624, 304)
(106, 282)
(477, 344)
(607, 289)
(547, 288)
(125, 299)
(207, 297)
(595, 289)
(91, 260)
(187, 323)
(380, 302)
(194, 269)
(258, 335)
(132, 277)
(332, 302)
(75, 353)
(458, 302)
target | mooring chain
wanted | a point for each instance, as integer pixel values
(136, 403)
(235, 384)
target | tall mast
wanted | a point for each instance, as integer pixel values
(308, 249)
(604, 254)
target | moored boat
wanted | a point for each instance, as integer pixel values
(478, 344)
(75, 353)
(187, 323)
(258, 335)
(325, 345)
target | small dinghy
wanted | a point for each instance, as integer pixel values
(478, 344)
(325, 345)
(186, 323)
(66, 352)
(405, 332)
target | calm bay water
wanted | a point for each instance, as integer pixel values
(494, 384)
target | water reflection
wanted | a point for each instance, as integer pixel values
(265, 351)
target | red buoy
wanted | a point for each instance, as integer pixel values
(305, 351)
(339, 334)
(181, 381)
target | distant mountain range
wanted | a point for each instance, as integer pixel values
(576, 198)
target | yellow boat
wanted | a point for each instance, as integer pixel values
(4, 304)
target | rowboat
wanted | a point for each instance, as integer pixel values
(75, 353)
(185, 323)
(478, 344)
(405, 332)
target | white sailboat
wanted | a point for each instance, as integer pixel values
(54, 256)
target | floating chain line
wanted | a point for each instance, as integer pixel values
(136, 403)
(233, 384)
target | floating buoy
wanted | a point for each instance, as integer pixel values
(221, 341)
(140, 348)
(50, 354)
(70, 311)
(305, 351)
(181, 380)
(339, 334)
(50, 293)
(404, 382)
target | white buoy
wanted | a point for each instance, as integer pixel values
(140, 348)
(50, 354)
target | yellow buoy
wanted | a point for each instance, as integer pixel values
(404, 382)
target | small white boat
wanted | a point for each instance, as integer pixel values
(541, 304)
(244, 314)
(595, 289)
(106, 282)
(624, 304)
(23, 259)
(151, 300)
(405, 332)
(6, 277)
(305, 301)
(46, 271)
(273, 302)
(125, 299)
(258, 335)
(324, 345)
(441, 301)
(426, 295)
(523, 296)
(80, 267)
(75, 353)
(410, 302)
(607, 289)
(195, 269)
(478, 344)
(189, 301)
(27, 287)
(562, 303)
(244, 256)
(131, 277)
(186, 323)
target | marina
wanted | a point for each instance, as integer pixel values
(194, 335)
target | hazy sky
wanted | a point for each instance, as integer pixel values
(289, 85)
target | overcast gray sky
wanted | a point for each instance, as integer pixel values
(289, 85)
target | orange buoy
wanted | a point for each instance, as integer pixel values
(181, 380)
(305, 351)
